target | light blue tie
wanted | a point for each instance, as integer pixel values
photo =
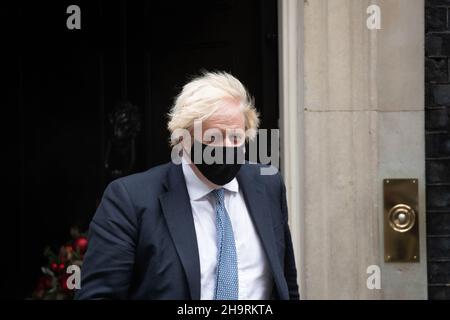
(227, 282)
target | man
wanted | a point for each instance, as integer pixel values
(199, 229)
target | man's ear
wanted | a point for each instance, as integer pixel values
(186, 143)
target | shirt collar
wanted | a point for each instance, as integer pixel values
(197, 189)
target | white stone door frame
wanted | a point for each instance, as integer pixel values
(291, 123)
(365, 90)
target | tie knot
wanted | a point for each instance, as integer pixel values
(218, 194)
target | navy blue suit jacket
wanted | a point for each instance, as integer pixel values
(142, 241)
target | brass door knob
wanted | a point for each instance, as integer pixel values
(401, 220)
(402, 217)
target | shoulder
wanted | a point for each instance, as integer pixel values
(143, 184)
(267, 175)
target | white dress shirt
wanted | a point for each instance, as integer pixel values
(255, 279)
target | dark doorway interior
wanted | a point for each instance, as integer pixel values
(64, 84)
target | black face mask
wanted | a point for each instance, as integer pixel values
(219, 164)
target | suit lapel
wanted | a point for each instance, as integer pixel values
(178, 214)
(255, 199)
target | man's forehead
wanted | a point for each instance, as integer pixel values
(223, 123)
(232, 116)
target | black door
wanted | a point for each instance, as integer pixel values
(235, 36)
(65, 84)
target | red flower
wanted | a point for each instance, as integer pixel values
(81, 244)
(53, 285)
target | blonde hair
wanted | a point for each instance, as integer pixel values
(201, 97)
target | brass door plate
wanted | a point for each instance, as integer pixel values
(401, 220)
